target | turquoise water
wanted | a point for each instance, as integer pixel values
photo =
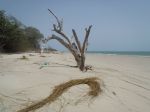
(139, 53)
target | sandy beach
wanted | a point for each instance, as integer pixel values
(125, 82)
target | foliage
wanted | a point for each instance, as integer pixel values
(34, 36)
(16, 37)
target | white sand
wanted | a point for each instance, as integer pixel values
(125, 81)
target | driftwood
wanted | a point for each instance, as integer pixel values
(60, 89)
(76, 48)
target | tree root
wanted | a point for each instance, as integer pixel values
(60, 89)
(88, 67)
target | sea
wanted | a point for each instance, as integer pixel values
(136, 53)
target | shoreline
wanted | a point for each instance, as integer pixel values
(128, 53)
(146, 56)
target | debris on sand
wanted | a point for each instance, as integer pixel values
(24, 58)
(60, 89)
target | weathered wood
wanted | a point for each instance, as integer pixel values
(63, 35)
(65, 44)
(76, 39)
(86, 37)
(65, 41)
(58, 21)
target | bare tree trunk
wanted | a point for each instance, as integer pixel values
(82, 63)
(78, 50)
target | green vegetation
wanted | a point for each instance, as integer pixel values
(16, 37)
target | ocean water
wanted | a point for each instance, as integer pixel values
(138, 53)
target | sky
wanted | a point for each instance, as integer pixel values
(118, 25)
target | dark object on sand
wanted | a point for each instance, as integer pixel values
(24, 58)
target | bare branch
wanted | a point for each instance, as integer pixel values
(58, 29)
(59, 40)
(68, 46)
(86, 38)
(58, 21)
(53, 15)
(63, 35)
(60, 25)
(76, 39)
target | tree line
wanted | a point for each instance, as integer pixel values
(16, 37)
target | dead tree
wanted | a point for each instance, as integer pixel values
(76, 48)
